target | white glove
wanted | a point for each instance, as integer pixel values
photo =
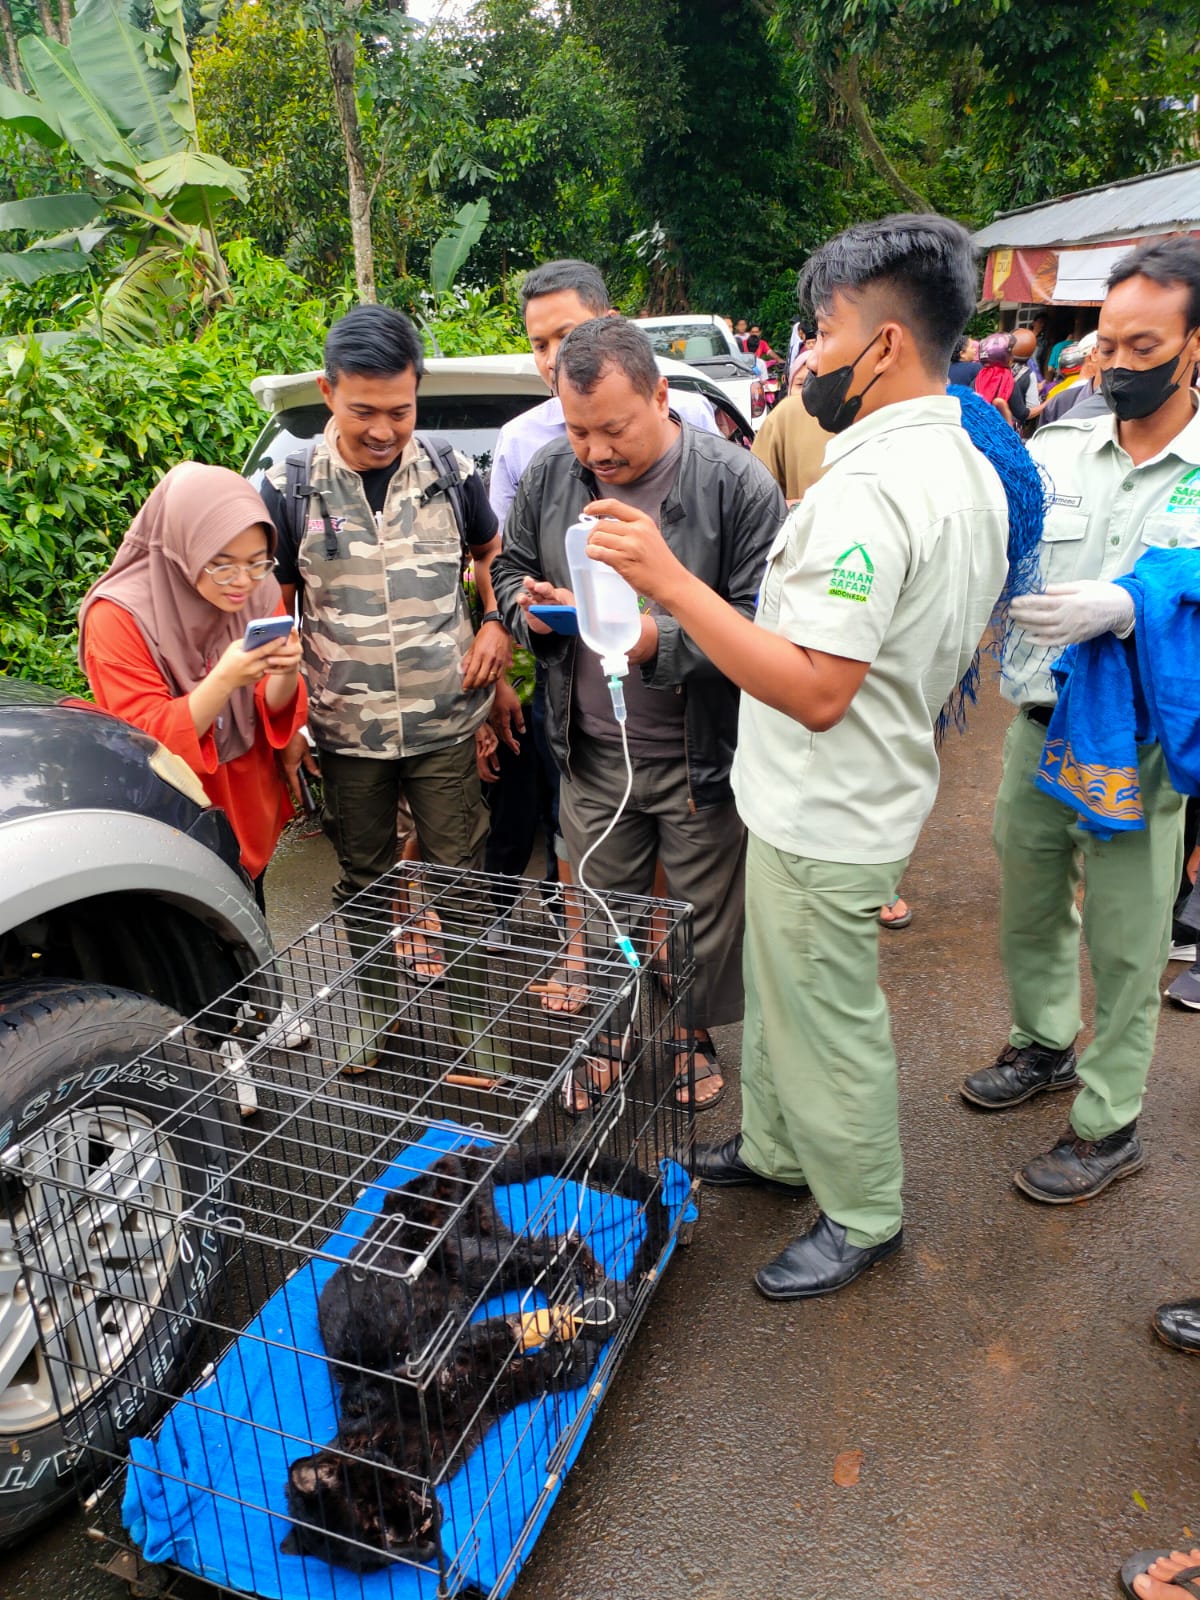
(1068, 613)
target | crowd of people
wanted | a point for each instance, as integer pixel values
(807, 611)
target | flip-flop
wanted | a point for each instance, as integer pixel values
(1187, 1581)
(412, 962)
(710, 1068)
(582, 1077)
(572, 995)
(612, 1046)
(894, 924)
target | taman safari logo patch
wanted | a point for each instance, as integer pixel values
(853, 574)
(1186, 495)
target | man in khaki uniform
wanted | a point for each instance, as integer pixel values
(877, 590)
(1120, 484)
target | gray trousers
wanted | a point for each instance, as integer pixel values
(703, 855)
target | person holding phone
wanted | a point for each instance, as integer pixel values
(186, 637)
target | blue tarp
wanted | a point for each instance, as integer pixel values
(207, 1493)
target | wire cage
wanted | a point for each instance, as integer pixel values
(360, 1269)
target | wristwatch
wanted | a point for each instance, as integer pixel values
(492, 616)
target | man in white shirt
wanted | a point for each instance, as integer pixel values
(1119, 485)
(556, 297)
(877, 590)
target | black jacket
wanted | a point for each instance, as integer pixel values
(719, 519)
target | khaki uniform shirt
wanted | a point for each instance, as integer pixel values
(1102, 513)
(896, 556)
(791, 445)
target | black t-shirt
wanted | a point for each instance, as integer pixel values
(480, 525)
(964, 372)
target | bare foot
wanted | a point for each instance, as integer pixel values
(569, 997)
(1156, 1584)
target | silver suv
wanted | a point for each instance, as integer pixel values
(123, 910)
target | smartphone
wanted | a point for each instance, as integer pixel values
(266, 630)
(311, 798)
(562, 619)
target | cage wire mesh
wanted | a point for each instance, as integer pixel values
(348, 1278)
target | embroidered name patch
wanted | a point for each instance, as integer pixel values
(853, 574)
(317, 524)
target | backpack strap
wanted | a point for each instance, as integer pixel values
(448, 482)
(298, 491)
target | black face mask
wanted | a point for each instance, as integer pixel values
(1132, 394)
(824, 394)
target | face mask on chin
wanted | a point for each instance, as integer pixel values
(1132, 394)
(824, 394)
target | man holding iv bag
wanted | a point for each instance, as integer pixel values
(719, 510)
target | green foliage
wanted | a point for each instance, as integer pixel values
(86, 430)
(449, 254)
(477, 322)
(557, 126)
(119, 100)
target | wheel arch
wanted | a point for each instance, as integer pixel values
(117, 897)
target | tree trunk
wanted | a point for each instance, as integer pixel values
(64, 21)
(341, 49)
(845, 85)
(49, 26)
(10, 47)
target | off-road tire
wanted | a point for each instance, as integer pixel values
(65, 1055)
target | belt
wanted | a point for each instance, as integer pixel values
(1039, 714)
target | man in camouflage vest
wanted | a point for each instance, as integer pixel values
(398, 681)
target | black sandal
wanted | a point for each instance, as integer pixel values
(1187, 1580)
(710, 1068)
(583, 1076)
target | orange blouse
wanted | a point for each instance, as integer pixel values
(249, 789)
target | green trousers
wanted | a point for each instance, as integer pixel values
(819, 1097)
(1130, 886)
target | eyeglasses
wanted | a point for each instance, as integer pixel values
(226, 572)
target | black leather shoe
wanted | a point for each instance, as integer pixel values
(721, 1166)
(1077, 1169)
(1019, 1074)
(820, 1262)
(1178, 1325)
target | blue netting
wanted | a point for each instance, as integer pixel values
(1026, 496)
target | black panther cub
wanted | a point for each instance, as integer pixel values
(365, 1498)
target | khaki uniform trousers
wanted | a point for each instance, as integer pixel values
(1130, 885)
(819, 1093)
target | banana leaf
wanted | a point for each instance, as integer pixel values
(28, 266)
(50, 211)
(455, 245)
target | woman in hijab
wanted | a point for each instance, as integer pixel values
(161, 643)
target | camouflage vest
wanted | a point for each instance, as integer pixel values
(385, 622)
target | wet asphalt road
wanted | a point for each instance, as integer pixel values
(998, 1375)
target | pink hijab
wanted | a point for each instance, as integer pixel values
(189, 518)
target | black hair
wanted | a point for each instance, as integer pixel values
(752, 344)
(1170, 262)
(960, 344)
(591, 348)
(560, 277)
(924, 266)
(373, 342)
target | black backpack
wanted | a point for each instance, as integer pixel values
(298, 491)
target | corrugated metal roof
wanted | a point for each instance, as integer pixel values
(1159, 203)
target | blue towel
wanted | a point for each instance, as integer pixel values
(224, 1449)
(1115, 694)
(1026, 498)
